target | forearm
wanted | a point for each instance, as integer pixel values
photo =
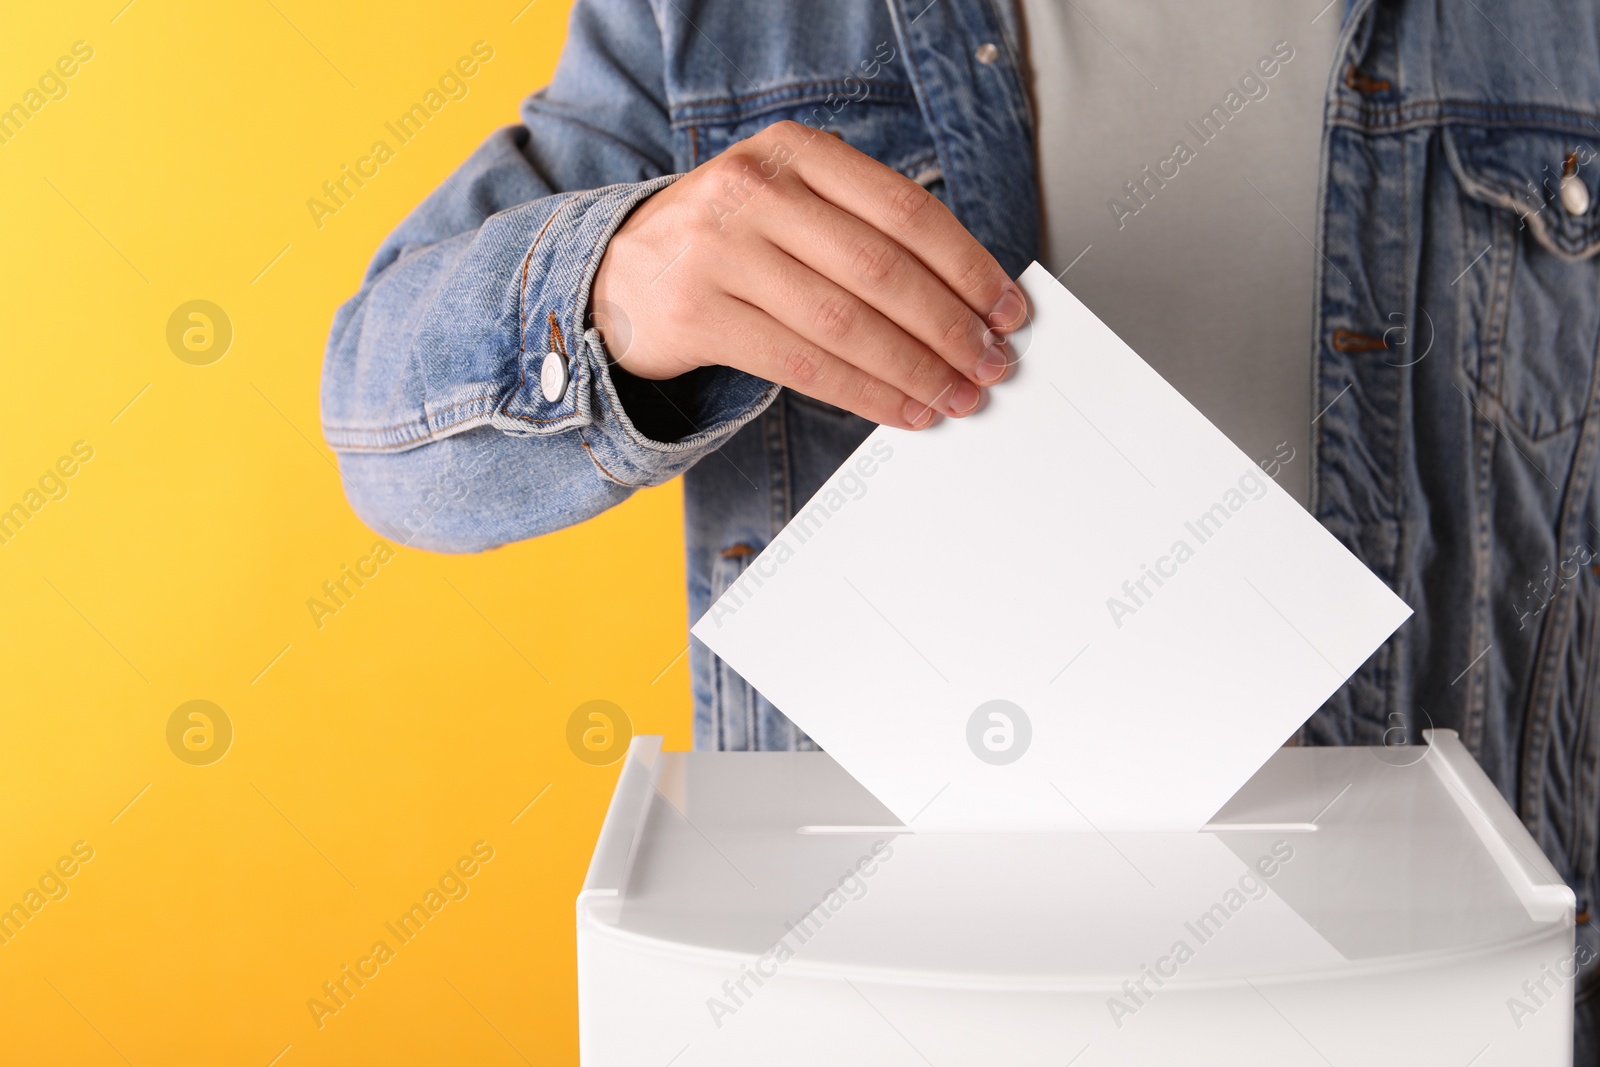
(433, 370)
(433, 396)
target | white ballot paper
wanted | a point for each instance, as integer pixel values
(1081, 608)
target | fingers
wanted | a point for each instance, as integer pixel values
(905, 211)
(766, 347)
(798, 259)
(844, 325)
(896, 283)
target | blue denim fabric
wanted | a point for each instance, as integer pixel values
(1457, 454)
(1457, 324)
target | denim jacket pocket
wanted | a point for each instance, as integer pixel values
(1530, 229)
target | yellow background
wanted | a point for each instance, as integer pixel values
(368, 754)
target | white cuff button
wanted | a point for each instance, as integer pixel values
(553, 376)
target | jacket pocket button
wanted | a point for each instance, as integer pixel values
(1574, 195)
(987, 53)
(553, 376)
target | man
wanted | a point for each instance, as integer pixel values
(567, 319)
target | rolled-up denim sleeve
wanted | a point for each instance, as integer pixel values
(431, 390)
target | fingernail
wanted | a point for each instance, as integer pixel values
(964, 398)
(992, 365)
(1008, 311)
(918, 414)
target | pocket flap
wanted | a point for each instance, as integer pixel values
(1521, 170)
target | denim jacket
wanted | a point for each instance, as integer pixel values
(1457, 315)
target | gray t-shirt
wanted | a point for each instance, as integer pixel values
(1178, 155)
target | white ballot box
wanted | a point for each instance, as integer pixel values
(1348, 906)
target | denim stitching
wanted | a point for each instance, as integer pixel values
(1400, 118)
(695, 112)
(596, 461)
(410, 423)
(1475, 700)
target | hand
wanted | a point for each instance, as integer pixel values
(800, 260)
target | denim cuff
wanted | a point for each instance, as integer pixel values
(554, 284)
